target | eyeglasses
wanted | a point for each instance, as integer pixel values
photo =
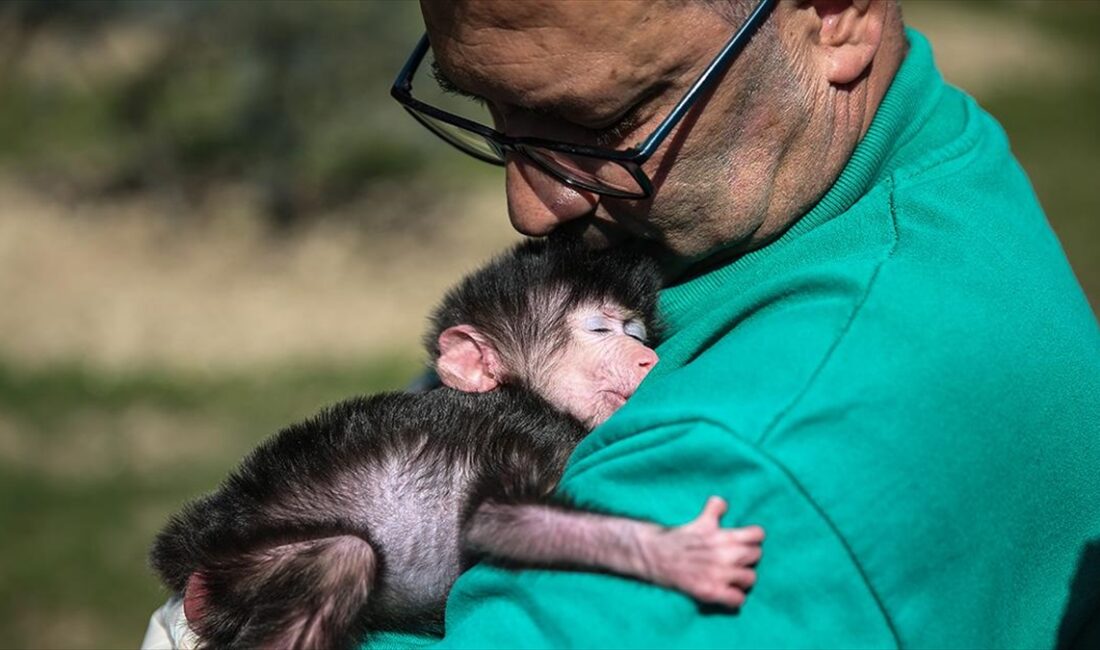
(610, 172)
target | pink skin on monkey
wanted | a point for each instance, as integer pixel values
(589, 373)
(599, 369)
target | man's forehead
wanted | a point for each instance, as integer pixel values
(521, 14)
(572, 55)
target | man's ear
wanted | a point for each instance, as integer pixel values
(849, 33)
(467, 360)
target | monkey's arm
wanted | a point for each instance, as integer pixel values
(709, 563)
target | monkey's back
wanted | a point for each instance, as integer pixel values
(428, 460)
(400, 471)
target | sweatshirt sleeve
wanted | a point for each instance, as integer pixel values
(809, 591)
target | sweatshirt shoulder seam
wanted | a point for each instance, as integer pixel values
(782, 413)
(810, 383)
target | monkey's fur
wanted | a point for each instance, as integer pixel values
(355, 519)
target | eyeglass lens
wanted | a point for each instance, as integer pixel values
(596, 174)
(468, 141)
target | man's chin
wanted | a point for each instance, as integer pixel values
(592, 233)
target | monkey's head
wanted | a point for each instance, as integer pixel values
(571, 324)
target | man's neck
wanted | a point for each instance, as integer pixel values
(838, 119)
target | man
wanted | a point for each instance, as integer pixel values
(876, 348)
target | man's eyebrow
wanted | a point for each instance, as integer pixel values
(609, 133)
(449, 87)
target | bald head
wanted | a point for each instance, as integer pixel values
(735, 170)
(562, 57)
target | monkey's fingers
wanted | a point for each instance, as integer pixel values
(737, 554)
(727, 595)
(741, 578)
(747, 534)
(727, 587)
(712, 512)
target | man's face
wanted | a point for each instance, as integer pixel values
(606, 74)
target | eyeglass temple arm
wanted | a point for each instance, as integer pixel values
(403, 82)
(707, 79)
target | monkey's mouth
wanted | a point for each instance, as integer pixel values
(615, 397)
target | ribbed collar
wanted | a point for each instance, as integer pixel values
(911, 96)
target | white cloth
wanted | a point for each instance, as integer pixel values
(168, 629)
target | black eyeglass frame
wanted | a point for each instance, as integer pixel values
(630, 159)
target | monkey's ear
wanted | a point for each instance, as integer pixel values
(467, 360)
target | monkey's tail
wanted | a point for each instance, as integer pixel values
(307, 595)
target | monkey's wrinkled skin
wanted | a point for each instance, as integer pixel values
(362, 517)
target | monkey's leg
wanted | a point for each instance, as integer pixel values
(709, 563)
(309, 594)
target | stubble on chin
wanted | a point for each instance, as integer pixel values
(592, 234)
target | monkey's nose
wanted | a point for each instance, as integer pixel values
(647, 358)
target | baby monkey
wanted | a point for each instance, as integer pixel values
(362, 517)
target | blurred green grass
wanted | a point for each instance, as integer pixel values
(81, 504)
(105, 98)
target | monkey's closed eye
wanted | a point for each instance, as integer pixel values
(598, 325)
(635, 329)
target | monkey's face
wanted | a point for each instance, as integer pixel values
(602, 365)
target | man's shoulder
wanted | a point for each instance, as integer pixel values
(940, 283)
(977, 277)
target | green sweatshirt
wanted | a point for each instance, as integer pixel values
(904, 390)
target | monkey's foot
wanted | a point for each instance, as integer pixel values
(709, 563)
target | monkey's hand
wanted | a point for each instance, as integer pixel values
(701, 559)
(709, 563)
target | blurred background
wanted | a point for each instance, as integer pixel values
(214, 220)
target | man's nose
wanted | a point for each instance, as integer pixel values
(537, 202)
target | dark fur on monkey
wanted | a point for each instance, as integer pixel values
(362, 517)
